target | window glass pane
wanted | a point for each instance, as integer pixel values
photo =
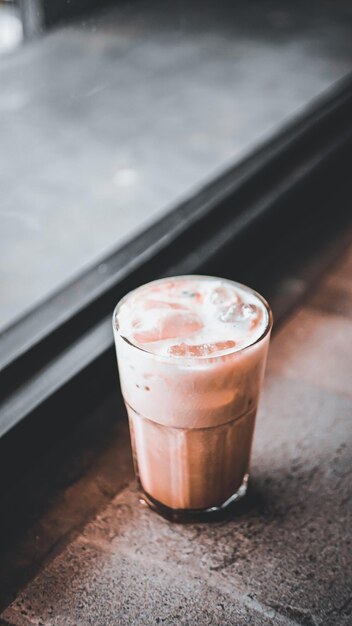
(109, 118)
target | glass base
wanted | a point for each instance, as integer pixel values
(212, 514)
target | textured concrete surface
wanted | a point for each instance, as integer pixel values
(108, 123)
(61, 493)
(284, 558)
(325, 341)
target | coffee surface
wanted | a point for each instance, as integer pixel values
(195, 316)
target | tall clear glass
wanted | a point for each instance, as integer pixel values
(191, 422)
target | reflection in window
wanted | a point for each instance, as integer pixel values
(109, 119)
(11, 31)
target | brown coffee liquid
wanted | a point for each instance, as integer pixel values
(185, 468)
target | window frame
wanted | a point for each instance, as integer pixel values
(58, 359)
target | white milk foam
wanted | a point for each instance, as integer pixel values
(192, 316)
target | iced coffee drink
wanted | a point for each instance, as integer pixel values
(191, 354)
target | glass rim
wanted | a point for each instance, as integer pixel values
(170, 358)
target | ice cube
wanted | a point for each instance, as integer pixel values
(181, 325)
(162, 304)
(240, 312)
(170, 326)
(148, 335)
(231, 314)
(254, 314)
(183, 349)
(222, 296)
(204, 349)
(249, 311)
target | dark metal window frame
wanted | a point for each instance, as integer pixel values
(40, 15)
(58, 360)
